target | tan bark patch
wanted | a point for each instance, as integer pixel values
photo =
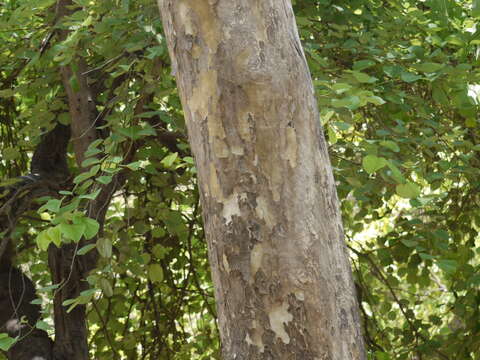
(230, 208)
(226, 265)
(206, 88)
(213, 188)
(209, 30)
(256, 337)
(278, 316)
(264, 212)
(256, 259)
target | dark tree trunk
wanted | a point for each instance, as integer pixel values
(18, 316)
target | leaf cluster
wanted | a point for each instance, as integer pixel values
(397, 85)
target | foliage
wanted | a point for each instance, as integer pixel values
(150, 296)
(397, 87)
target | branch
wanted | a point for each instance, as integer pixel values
(384, 280)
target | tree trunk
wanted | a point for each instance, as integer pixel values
(282, 279)
(67, 269)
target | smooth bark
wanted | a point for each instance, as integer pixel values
(283, 283)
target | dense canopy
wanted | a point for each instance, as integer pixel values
(397, 83)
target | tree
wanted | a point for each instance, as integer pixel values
(397, 85)
(282, 279)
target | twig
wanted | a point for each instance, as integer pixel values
(382, 277)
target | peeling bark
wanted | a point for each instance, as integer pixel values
(283, 283)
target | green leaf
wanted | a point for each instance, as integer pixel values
(159, 251)
(382, 356)
(189, 159)
(392, 145)
(134, 166)
(43, 240)
(474, 280)
(92, 152)
(94, 144)
(332, 136)
(91, 196)
(104, 247)
(116, 159)
(409, 77)
(439, 95)
(55, 235)
(68, 302)
(149, 114)
(408, 190)
(106, 287)
(449, 266)
(52, 205)
(105, 179)
(42, 325)
(155, 51)
(72, 231)
(340, 88)
(409, 243)
(372, 163)
(363, 78)
(158, 232)
(88, 174)
(94, 169)
(363, 64)
(91, 226)
(376, 100)
(454, 39)
(426, 256)
(82, 177)
(90, 161)
(429, 67)
(393, 71)
(155, 273)
(343, 126)
(6, 342)
(136, 132)
(396, 173)
(145, 258)
(85, 249)
(49, 288)
(64, 118)
(168, 160)
(350, 102)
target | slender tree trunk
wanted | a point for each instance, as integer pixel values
(283, 283)
(69, 270)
